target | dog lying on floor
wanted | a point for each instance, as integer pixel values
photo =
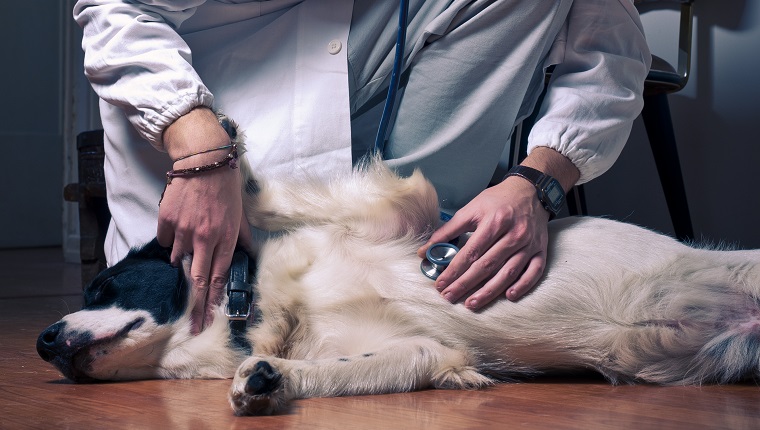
(343, 309)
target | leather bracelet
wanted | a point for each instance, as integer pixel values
(230, 160)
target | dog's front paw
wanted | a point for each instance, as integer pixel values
(258, 389)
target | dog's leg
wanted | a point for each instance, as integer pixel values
(734, 353)
(698, 322)
(264, 385)
(744, 270)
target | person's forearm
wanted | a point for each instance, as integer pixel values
(554, 164)
(595, 92)
(136, 60)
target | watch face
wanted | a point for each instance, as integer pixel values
(554, 195)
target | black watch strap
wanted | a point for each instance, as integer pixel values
(549, 191)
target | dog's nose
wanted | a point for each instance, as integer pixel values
(47, 342)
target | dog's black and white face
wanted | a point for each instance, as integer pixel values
(134, 324)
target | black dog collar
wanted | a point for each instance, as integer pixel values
(240, 302)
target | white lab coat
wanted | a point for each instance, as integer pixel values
(285, 71)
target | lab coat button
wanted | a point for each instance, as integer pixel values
(334, 46)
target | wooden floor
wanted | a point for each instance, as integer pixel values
(37, 288)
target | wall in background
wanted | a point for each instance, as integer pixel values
(31, 148)
(80, 113)
(717, 125)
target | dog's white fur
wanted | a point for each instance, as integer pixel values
(345, 309)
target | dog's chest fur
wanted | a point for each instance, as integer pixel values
(328, 292)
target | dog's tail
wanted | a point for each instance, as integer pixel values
(371, 197)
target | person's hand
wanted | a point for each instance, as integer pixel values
(506, 251)
(202, 215)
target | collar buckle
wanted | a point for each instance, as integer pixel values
(239, 289)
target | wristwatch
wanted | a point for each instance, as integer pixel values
(549, 191)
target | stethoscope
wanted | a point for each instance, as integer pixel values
(439, 255)
(437, 258)
(390, 100)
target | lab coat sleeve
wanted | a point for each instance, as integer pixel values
(136, 60)
(596, 89)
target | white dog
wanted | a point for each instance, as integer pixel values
(343, 309)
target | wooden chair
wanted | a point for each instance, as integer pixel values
(90, 194)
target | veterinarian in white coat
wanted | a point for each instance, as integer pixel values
(299, 75)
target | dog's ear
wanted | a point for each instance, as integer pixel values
(151, 251)
(143, 280)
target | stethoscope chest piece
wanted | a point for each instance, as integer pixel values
(437, 257)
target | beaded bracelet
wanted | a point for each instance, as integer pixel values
(206, 151)
(230, 160)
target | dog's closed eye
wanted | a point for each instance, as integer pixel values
(99, 292)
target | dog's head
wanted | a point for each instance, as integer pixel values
(134, 324)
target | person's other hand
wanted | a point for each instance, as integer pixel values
(202, 215)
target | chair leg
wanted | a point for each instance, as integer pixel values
(659, 126)
(576, 201)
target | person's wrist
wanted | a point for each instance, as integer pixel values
(548, 190)
(526, 192)
(552, 163)
(223, 170)
(201, 160)
(188, 138)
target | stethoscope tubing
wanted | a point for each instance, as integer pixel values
(431, 266)
(390, 101)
